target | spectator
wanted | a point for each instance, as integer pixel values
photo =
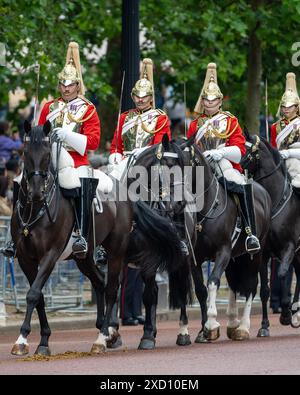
(5, 208)
(8, 144)
(131, 296)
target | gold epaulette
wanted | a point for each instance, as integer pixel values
(86, 100)
(161, 112)
(228, 113)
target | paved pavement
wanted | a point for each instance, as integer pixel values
(67, 320)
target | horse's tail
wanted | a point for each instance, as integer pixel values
(155, 241)
(180, 287)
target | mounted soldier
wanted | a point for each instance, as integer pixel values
(140, 127)
(76, 125)
(285, 133)
(220, 136)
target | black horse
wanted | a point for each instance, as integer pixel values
(218, 241)
(159, 189)
(264, 163)
(42, 224)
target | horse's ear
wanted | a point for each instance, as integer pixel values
(27, 127)
(47, 128)
(165, 141)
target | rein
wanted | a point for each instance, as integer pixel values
(287, 188)
(48, 195)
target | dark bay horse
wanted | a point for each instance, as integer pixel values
(158, 190)
(42, 224)
(217, 221)
(264, 163)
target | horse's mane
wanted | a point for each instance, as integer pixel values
(276, 155)
(36, 135)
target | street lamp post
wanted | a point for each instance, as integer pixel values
(130, 49)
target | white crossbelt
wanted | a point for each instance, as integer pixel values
(143, 117)
(287, 130)
(209, 121)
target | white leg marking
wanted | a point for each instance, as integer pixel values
(211, 322)
(183, 329)
(101, 339)
(245, 321)
(22, 340)
(232, 311)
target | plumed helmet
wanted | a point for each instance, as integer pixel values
(72, 70)
(210, 89)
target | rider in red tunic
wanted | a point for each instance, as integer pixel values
(75, 123)
(221, 139)
(140, 127)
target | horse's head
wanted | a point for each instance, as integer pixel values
(164, 167)
(261, 159)
(251, 160)
(37, 160)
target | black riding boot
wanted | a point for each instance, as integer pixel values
(83, 206)
(247, 205)
(9, 250)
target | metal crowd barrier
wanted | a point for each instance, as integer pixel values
(67, 287)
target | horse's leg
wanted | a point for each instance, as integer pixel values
(242, 332)
(97, 279)
(264, 297)
(183, 338)
(150, 296)
(201, 293)
(285, 262)
(35, 299)
(109, 334)
(232, 314)
(212, 326)
(296, 306)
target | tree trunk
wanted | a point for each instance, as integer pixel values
(254, 78)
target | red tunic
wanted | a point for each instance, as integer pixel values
(157, 138)
(237, 138)
(274, 131)
(90, 128)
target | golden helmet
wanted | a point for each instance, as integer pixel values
(210, 89)
(72, 70)
(145, 85)
(290, 96)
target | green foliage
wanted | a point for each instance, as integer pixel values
(187, 33)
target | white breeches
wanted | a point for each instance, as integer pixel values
(69, 177)
(225, 168)
(119, 170)
(293, 166)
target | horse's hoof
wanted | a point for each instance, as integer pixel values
(295, 321)
(240, 334)
(263, 332)
(42, 350)
(147, 344)
(98, 349)
(212, 334)
(201, 338)
(20, 349)
(286, 320)
(115, 341)
(183, 340)
(230, 332)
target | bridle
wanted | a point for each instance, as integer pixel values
(50, 189)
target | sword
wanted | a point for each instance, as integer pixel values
(267, 112)
(184, 98)
(119, 115)
(37, 72)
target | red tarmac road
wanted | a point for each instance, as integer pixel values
(279, 354)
